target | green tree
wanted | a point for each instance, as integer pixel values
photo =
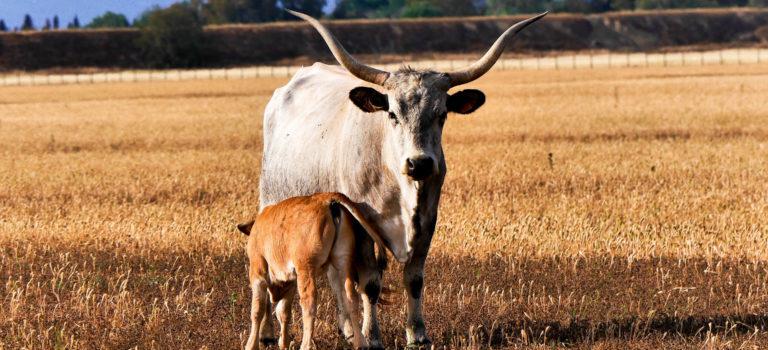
(508, 7)
(3, 27)
(455, 8)
(673, 4)
(56, 22)
(143, 18)
(572, 6)
(241, 11)
(109, 20)
(75, 24)
(420, 9)
(622, 5)
(367, 8)
(173, 37)
(27, 25)
(758, 3)
(600, 5)
(47, 25)
(313, 8)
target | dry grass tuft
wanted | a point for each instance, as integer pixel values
(610, 208)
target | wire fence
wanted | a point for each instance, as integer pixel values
(577, 61)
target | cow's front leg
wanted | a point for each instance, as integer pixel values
(413, 278)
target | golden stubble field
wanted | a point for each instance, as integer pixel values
(608, 208)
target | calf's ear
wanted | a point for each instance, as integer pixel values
(246, 227)
(465, 101)
(368, 99)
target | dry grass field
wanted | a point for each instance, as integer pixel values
(606, 208)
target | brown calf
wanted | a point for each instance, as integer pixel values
(293, 242)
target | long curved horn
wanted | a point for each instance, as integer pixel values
(484, 64)
(369, 74)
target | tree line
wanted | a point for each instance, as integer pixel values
(174, 36)
(257, 11)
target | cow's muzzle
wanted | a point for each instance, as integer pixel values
(419, 168)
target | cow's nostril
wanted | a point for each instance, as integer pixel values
(411, 166)
(420, 168)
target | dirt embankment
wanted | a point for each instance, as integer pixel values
(298, 43)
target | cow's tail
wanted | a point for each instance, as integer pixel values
(373, 231)
(367, 225)
(386, 293)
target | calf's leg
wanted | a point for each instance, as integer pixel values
(283, 311)
(369, 279)
(258, 308)
(352, 301)
(308, 296)
(267, 335)
(344, 281)
(336, 283)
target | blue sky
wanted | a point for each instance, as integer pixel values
(13, 11)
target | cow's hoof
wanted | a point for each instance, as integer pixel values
(268, 341)
(419, 341)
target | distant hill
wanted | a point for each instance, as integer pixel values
(297, 42)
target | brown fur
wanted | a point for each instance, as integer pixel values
(289, 244)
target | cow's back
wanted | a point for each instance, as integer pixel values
(312, 132)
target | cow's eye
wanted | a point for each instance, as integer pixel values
(393, 117)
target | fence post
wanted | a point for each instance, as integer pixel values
(591, 62)
(721, 57)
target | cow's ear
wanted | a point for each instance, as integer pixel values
(465, 101)
(246, 227)
(369, 100)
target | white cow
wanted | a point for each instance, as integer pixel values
(376, 137)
